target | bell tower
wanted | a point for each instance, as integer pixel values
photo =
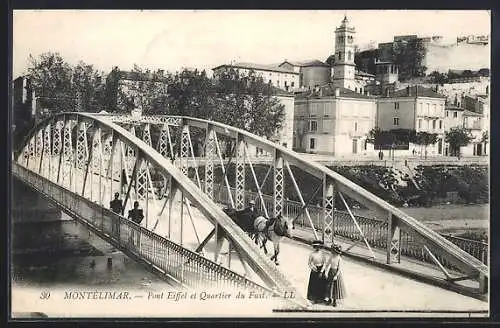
(344, 68)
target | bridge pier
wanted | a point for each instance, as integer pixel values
(28, 206)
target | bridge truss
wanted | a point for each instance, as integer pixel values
(162, 161)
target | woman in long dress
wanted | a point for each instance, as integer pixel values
(335, 290)
(317, 279)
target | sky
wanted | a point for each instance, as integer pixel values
(171, 40)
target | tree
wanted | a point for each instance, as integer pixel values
(88, 88)
(484, 139)
(381, 139)
(458, 137)
(247, 102)
(60, 87)
(144, 89)
(438, 78)
(51, 79)
(409, 56)
(425, 139)
(330, 60)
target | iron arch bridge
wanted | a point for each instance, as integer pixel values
(79, 160)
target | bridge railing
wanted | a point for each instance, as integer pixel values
(179, 264)
(375, 230)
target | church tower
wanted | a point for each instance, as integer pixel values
(344, 69)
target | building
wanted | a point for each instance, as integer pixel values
(474, 122)
(280, 77)
(344, 69)
(334, 121)
(129, 88)
(312, 73)
(414, 108)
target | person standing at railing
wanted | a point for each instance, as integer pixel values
(136, 215)
(116, 206)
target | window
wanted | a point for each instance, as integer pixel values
(355, 126)
(313, 126)
(440, 124)
(356, 89)
(447, 114)
(396, 121)
(420, 123)
(269, 82)
(278, 83)
(433, 124)
(292, 84)
(312, 143)
(340, 55)
(396, 105)
(349, 55)
(455, 114)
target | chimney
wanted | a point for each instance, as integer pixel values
(337, 92)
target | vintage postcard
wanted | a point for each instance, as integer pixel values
(225, 163)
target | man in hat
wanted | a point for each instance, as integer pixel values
(252, 210)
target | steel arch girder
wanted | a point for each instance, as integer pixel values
(464, 260)
(257, 260)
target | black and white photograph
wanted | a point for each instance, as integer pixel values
(250, 163)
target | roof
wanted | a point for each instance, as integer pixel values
(281, 92)
(328, 90)
(138, 76)
(260, 67)
(305, 63)
(361, 73)
(416, 90)
(454, 108)
(471, 113)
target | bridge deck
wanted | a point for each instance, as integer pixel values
(369, 287)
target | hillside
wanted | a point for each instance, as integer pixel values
(442, 57)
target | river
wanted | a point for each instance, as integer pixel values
(64, 253)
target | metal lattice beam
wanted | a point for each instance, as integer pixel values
(279, 184)
(210, 150)
(240, 173)
(328, 209)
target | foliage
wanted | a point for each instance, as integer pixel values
(61, 87)
(386, 139)
(438, 78)
(458, 137)
(469, 182)
(425, 139)
(409, 56)
(365, 60)
(331, 60)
